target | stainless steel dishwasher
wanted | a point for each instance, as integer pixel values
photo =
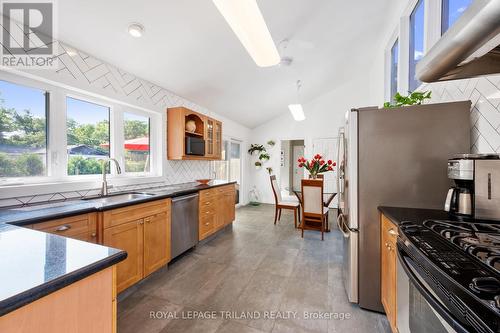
(184, 223)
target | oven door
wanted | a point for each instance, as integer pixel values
(419, 310)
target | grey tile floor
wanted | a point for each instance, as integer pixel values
(254, 271)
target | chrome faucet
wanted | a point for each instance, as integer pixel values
(104, 187)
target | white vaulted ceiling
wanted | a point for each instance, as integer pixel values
(189, 49)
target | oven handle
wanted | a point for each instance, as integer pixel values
(436, 305)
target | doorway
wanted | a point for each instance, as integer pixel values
(290, 173)
(229, 167)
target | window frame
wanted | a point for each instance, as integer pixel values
(411, 42)
(432, 33)
(48, 159)
(56, 178)
(388, 65)
(151, 146)
(112, 147)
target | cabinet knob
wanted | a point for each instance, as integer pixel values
(392, 232)
(93, 235)
(207, 223)
(141, 222)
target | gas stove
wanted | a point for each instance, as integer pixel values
(460, 262)
(481, 240)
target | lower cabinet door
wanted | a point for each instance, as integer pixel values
(129, 237)
(156, 242)
(230, 209)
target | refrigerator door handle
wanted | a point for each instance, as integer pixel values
(342, 226)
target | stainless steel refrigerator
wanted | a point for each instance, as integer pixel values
(391, 157)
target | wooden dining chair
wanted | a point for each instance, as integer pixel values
(314, 213)
(280, 204)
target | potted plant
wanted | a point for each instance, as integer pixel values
(264, 156)
(256, 148)
(258, 165)
(414, 98)
(317, 165)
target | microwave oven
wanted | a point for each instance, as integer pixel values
(195, 146)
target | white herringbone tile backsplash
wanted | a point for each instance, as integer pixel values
(484, 93)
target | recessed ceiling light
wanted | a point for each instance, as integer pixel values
(297, 112)
(247, 22)
(136, 30)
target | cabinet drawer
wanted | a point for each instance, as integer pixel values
(70, 226)
(226, 189)
(126, 214)
(207, 194)
(206, 226)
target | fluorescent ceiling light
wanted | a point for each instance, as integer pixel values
(247, 22)
(297, 112)
(136, 30)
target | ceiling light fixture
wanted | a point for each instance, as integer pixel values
(136, 30)
(296, 109)
(247, 22)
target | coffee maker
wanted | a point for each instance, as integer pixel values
(476, 189)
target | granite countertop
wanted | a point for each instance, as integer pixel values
(416, 215)
(44, 212)
(35, 264)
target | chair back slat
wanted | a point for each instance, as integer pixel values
(276, 189)
(312, 196)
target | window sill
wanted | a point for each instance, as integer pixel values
(70, 184)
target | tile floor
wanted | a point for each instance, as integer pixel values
(256, 269)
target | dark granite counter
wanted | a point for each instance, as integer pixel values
(416, 215)
(50, 211)
(419, 215)
(35, 264)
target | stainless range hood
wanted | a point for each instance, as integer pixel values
(471, 47)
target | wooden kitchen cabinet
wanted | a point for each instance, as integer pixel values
(82, 227)
(87, 305)
(128, 237)
(388, 259)
(156, 242)
(208, 129)
(216, 209)
(143, 231)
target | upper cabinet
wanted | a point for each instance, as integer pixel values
(192, 136)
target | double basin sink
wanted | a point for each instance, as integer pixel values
(114, 198)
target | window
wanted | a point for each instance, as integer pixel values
(87, 126)
(416, 41)
(394, 68)
(136, 144)
(451, 11)
(23, 131)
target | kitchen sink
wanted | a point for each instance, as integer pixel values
(114, 198)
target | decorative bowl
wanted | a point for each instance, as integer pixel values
(203, 181)
(190, 126)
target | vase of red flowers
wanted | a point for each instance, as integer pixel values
(317, 165)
